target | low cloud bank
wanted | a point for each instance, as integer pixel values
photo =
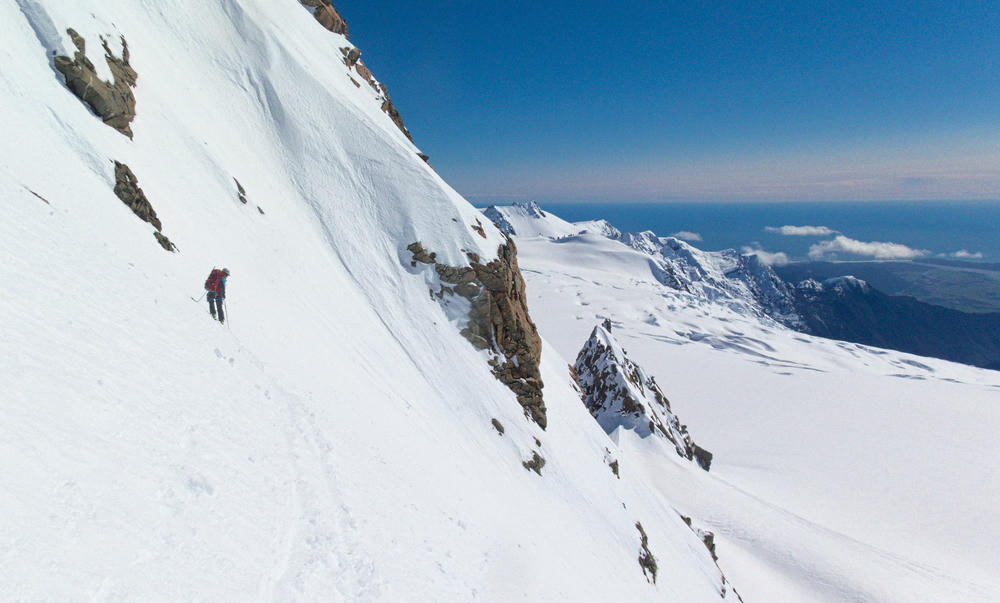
(875, 249)
(687, 235)
(779, 258)
(964, 254)
(802, 231)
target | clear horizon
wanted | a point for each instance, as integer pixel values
(670, 101)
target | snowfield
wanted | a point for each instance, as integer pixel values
(841, 472)
(334, 441)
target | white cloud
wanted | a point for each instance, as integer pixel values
(779, 258)
(876, 249)
(964, 254)
(687, 235)
(802, 231)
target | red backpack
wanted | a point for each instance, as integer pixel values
(213, 280)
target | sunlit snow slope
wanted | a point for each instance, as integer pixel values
(841, 472)
(334, 440)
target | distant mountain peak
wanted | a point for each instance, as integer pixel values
(531, 208)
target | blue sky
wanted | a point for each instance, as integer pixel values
(659, 101)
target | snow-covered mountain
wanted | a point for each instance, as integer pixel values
(527, 219)
(850, 309)
(843, 307)
(379, 419)
(740, 279)
(840, 471)
(389, 412)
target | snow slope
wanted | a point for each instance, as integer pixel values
(335, 440)
(841, 472)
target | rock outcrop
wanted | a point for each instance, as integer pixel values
(127, 189)
(394, 115)
(646, 559)
(113, 102)
(708, 539)
(327, 15)
(241, 192)
(352, 58)
(619, 393)
(498, 320)
(420, 254)
(535, 464)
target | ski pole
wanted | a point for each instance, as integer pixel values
(229, 317)
(199, 299)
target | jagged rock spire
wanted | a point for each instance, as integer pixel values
(619, 393)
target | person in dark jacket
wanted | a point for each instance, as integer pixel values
(216, 287)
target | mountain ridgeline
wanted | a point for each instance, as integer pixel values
(840, 307)
(849, 309)
(379, 419)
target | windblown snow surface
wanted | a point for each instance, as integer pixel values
(334, 440)
(841, 472)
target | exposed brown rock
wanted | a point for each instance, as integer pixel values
(241, 193)
(351, 56)
(535, 464)
(479, 228)
(327, 15)
(394, 115)
(366, 74)
(498, 320)
(499, 315)
(164, 241)
(702, 456)
(113, 102)
(420, 254)
(498, 426)
(127, 189)
(708, 539)
(646, 559)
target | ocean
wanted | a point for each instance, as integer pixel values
(941, 229)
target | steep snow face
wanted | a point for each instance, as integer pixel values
(621, 395)
(336, 439)
(840, 471)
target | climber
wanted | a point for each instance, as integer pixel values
(215, 285)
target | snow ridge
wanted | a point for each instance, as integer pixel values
(741, 280)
